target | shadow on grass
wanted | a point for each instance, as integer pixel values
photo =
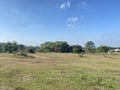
(23, 55)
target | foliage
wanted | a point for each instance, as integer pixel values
(47, 47)
(21, 48)
(58, 46)
(76, 49)
(1, 49)
(90, 47)
(13, 47)
(103, 49)
(30, 49)
(10, 47)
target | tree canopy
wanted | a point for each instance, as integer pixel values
(58, 46)
(90, 47)
(103, 49)
(76, 49)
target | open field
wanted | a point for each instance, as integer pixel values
(55, 71)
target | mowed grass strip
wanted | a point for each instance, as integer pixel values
(56, 71)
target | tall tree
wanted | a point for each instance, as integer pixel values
(90, 47)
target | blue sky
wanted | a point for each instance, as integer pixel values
(33, 22)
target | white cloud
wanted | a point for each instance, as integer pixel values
(68, 4)
(72, 19)
(72, 22)
(65, 5)
(70, 25)
(82, 4)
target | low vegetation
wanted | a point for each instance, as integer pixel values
(60, 71)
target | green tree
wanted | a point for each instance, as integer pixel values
(90, 47)
(76, 49)
(10, 47)
(30, 49)
(58, 46)
(46, 47)
(102, 49)
(21, 48)
(61, 47)
(1, 49)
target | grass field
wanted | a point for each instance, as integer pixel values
(55, 71)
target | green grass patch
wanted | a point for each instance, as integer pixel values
(60, 72)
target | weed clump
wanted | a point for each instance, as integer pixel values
(81, 55)
(23, 55)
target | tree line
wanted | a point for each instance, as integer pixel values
(58, 46)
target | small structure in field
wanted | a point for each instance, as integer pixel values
(114, 50)
(117, 50)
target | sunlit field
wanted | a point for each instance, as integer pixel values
(56, 71)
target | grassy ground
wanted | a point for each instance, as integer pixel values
(55, 71)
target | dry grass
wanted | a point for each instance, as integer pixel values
(56, 71)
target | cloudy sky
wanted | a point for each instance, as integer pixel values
(33, 22)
